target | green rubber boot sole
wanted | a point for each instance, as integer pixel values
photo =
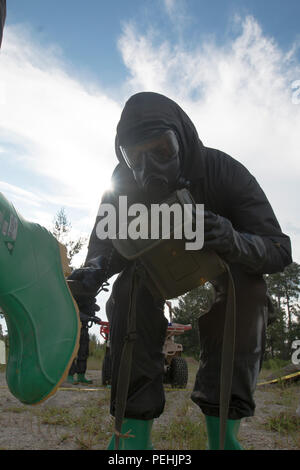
(140, 431)
(41, 315)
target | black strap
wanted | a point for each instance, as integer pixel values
(126, 362)
(227, 363)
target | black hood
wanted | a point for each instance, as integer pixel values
(148, 111)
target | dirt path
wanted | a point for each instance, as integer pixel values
(75, 418)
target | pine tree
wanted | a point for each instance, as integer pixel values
(62, 232)
(190, 307)
(284, 288)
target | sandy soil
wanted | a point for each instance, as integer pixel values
(52, 425)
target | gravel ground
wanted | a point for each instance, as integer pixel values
(47, 426)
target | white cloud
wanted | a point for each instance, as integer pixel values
(65, 128)
(239, 96)
(177, 12)
(16, 192)
(169, 5)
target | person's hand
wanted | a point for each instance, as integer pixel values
(218, 233)
(90, 278)
(246, 249)
(87, 315)
(84, 291)
(87, 305)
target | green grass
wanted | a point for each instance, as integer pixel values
(273, 365)
(15, 409)
(284, 422)
(94, 363)
(87, 429)
(180, 433)
(55, 416)
(286, 425)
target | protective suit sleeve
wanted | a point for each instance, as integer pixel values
(101, 253)
(258, 241)
(234, 247)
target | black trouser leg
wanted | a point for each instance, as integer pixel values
(79, 364)
(249, 349)
(146, 398)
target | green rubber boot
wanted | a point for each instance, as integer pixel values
(140, 431)
(213, 431)
(83, 380)
(41, 315)
(70, 380)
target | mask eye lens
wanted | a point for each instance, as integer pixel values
(162, 148)
(130, 156)
(162, 152)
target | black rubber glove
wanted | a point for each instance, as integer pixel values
(90, 279)
(87, 305)
(88, 318)
(234, 247)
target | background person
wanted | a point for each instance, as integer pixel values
(79, 364)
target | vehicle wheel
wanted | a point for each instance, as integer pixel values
(178, 372)
(106, 369)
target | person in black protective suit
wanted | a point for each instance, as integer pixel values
(159, 151)
(79, 364)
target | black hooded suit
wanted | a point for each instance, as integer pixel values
(226, 188)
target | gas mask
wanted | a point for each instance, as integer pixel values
(155, 163)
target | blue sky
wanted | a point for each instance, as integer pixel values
(67, 67)
(87, 32)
